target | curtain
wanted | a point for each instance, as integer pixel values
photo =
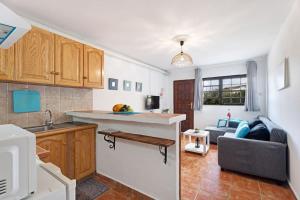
(198, 90)
(251, 92)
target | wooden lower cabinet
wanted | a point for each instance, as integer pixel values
(56, 144)
(72, 151)
(84, 153)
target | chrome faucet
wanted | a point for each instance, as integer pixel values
(48, 122)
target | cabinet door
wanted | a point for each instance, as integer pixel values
(68, 62)
(93, 67)
(7, 64)
(35, 57)
(84, 153)
(56, 144)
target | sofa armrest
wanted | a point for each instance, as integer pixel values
(260, 158)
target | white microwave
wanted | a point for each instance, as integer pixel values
(18, 169)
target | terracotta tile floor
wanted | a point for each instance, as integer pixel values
(202, 178)
(117, 191)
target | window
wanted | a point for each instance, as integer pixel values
(226, 90)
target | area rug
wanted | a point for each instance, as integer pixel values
(90, 189)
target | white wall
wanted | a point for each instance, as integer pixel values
(153, 82)
(210, 113)
(284, 105)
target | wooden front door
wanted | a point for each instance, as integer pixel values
(184, 101)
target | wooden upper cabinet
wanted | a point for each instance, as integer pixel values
(34, 57)
(93, 67)
(84, 153)
(68, 62)
(7, 57)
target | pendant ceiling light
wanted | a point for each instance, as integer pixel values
(182, 59)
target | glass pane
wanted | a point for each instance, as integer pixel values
(236, 101)
(215, 88)
(226, 94)
(243, 93)
(244, 80)
(235, 87)
(206, 83)
(206, 88)
(214, 94)
(226, 101)
(243, 101)
(226, 87)
(215, 82)
(227, 81)
(236, 94)
(236, 81)
(243, 87)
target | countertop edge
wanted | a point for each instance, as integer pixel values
(131, 118)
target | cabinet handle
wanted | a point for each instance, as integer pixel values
(56, 73)
(52, 72)
(85, 77)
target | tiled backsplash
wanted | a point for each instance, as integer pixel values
(56, 99)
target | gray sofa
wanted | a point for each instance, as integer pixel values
(215, 132)
(266, 159)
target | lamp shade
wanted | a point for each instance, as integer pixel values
(182, 60)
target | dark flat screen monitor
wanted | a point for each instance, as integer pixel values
(152, 102)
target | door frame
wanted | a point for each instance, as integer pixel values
(180, 133)
(174, 96)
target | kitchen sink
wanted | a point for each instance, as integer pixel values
(43, 128)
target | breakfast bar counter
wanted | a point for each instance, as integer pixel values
(140, 150)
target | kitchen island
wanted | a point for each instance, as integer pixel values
(140, 150)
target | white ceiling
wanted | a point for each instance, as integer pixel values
(219, 30)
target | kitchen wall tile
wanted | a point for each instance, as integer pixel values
(36, 119)
(52, 91)
(57, 99)
(66, 92)
(3, 110)
(17, 86)
(3, 90)
(19, 119)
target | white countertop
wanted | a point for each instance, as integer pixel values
(155, 118)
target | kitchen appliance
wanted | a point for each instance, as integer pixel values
(52, 184)
(12, 27)
(23, 175)
(18, 172)
(152, 102)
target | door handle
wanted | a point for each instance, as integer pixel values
(191, 105)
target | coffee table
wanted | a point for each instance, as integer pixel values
(197, 147)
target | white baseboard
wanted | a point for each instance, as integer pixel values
(293, 190)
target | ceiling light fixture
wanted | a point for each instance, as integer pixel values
(182, 59)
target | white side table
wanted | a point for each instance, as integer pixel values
(197, 147)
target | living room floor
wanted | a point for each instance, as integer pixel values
(202, 178)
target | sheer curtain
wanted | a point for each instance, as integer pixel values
(251, 102)
(198, 90)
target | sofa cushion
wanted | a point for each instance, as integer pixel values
(242, 130)
(277, 134)
(234, 123)
(254, 122)
(259, 132)
(230, 135)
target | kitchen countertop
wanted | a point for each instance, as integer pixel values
(156, 118)
(64, 127)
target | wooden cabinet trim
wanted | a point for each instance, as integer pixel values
(34, 57)
(90, 68)
(68, 77)
(7, 63)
